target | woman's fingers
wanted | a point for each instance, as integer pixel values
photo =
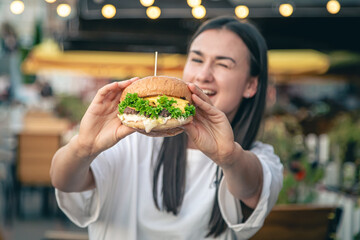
(201, 100)
(123, 131)
(112, 95)
(104, 91)
(115, 95)
(197, 91)
(109, 91)
(124, 84)
(203, 105)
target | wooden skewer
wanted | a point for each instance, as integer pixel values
(156, 54)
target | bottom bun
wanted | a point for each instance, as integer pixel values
(164, 133)
(153, 128)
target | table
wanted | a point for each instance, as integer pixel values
(37, 144)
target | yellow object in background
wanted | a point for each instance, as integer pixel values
(101, 64)
(122, 65)
(298, 62)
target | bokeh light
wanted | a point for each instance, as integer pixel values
(286, 9)
(193, 3)
(153, 12)
(108, 11)
(63, 10)
(333, 6)
(147, 3)
(17, 7)
(242, 11)
(199, 12)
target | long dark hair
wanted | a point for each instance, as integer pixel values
(172, 157)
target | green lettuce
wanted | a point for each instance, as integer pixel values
(144, 108)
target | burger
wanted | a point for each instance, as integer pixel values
(156, 106)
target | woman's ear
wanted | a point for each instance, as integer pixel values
(251, 87)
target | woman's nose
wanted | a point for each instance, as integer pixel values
(205, 74)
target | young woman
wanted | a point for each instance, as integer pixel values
(211, 182)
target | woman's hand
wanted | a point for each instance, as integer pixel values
(100, 127)
(210, 130)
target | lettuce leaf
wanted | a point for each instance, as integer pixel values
(144, 108)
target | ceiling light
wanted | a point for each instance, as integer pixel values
(147, 3)
(17, 7)
(108, 11)
(153, 12)
(63, 10)
(193, 3)
(286, 9)
(199, 12)
(333, 6)
(50, 1)
(242, 11)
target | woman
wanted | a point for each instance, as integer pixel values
(213, 181)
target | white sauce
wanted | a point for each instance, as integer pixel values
(149, 123)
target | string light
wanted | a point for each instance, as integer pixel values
(108, 11)
(147, 3)
(50, 1)
(199, 12)
(17, 7)
(63, 10)
(242, 11)
(193, 3)
(286, 9)
(153, 12)
(333, 6)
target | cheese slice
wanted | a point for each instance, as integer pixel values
(180, 103)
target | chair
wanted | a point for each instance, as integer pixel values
(38, 141)
(299, 222)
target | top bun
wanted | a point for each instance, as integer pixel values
(158, 85)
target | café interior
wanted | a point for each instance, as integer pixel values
(55, 55)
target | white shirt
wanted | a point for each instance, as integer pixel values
(122, 207)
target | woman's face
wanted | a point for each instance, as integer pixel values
(218, 63)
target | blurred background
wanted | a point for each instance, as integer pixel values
(55, 54)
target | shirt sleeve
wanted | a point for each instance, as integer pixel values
(83, 208)
(110, 169)
(272, 183)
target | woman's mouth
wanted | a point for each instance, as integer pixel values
(209, 92)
